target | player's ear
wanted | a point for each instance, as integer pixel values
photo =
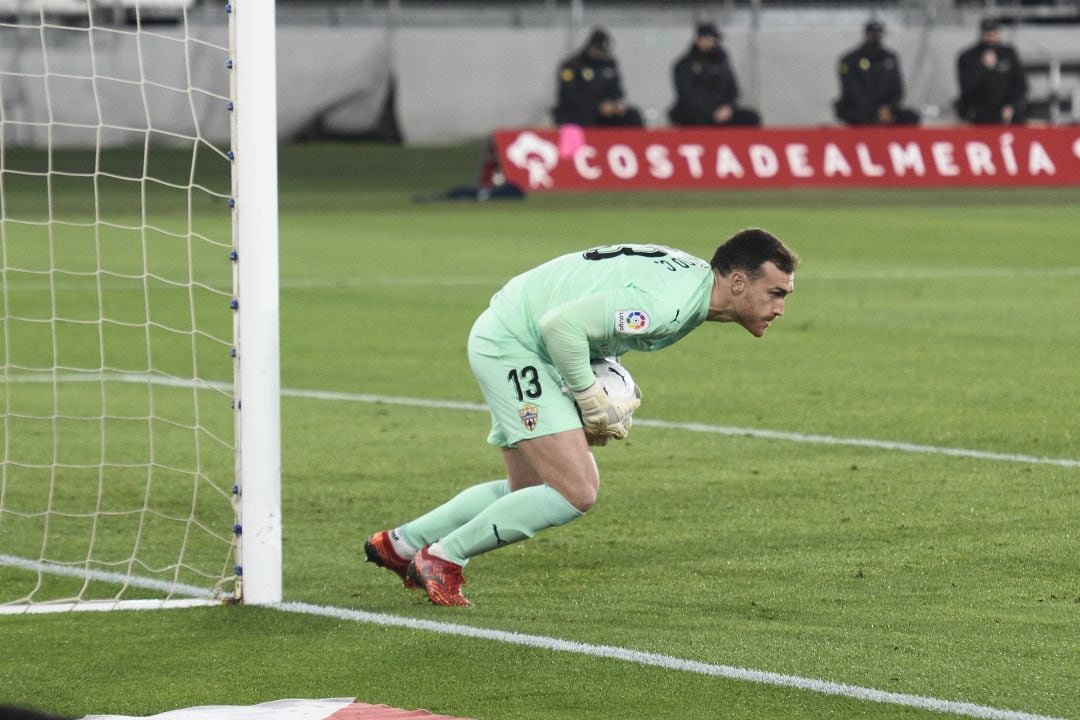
(737, 281)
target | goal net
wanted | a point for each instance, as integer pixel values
(120, 451)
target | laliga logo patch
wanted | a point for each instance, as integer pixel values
(631, 321)
(529, 415)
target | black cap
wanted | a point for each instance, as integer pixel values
(874, 26)
(599, 40)
(989, 25)
(707, 29)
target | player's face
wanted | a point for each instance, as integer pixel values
(761, 301)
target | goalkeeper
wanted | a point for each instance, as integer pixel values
(531, 350)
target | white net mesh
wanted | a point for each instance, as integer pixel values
(118, 457)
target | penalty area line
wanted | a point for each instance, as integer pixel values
(891, 445)
(727, 430)
(666, 662)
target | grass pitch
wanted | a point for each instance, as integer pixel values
(939, 318)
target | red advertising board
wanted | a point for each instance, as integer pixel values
(573, 158)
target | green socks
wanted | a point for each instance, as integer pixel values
(485, 516)
(513, 517)
(452, 514)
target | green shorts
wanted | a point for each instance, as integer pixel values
(525, 393)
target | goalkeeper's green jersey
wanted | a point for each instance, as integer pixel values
(605, 302)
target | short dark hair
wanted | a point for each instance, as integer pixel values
(707, 29)
(748, 250)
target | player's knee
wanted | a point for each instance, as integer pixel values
(583, 503)
(582, 497)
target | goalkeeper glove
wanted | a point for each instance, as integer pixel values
(602, 415)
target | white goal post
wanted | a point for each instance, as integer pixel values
(259, 429)
(140, 455)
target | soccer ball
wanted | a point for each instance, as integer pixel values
(615, 379)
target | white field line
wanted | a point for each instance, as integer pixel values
(666, 662)
(727, 430)
(200, 596)
(401, 281)
(71, 282)
(540, 642)
(861, 442)
(941, 274)
(52, 608)
(988, 273)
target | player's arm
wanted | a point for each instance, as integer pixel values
(567, 330)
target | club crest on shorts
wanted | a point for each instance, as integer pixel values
(631, 321)
(529, 415)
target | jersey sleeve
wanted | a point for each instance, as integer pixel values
(612, 319)
(566, 330)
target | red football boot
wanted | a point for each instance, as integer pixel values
(380, 550)
(441, 579)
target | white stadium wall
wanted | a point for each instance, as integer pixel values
(460, 83)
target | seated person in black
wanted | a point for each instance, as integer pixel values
(705, 87)
(590, 89)
(870, 84)
(993, 86)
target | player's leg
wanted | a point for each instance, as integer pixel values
(541, 461)
(394, 548)
(452, 514)
(550, 469)
(556, 482)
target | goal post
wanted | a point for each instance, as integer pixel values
(140, 454)
(259, 427)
